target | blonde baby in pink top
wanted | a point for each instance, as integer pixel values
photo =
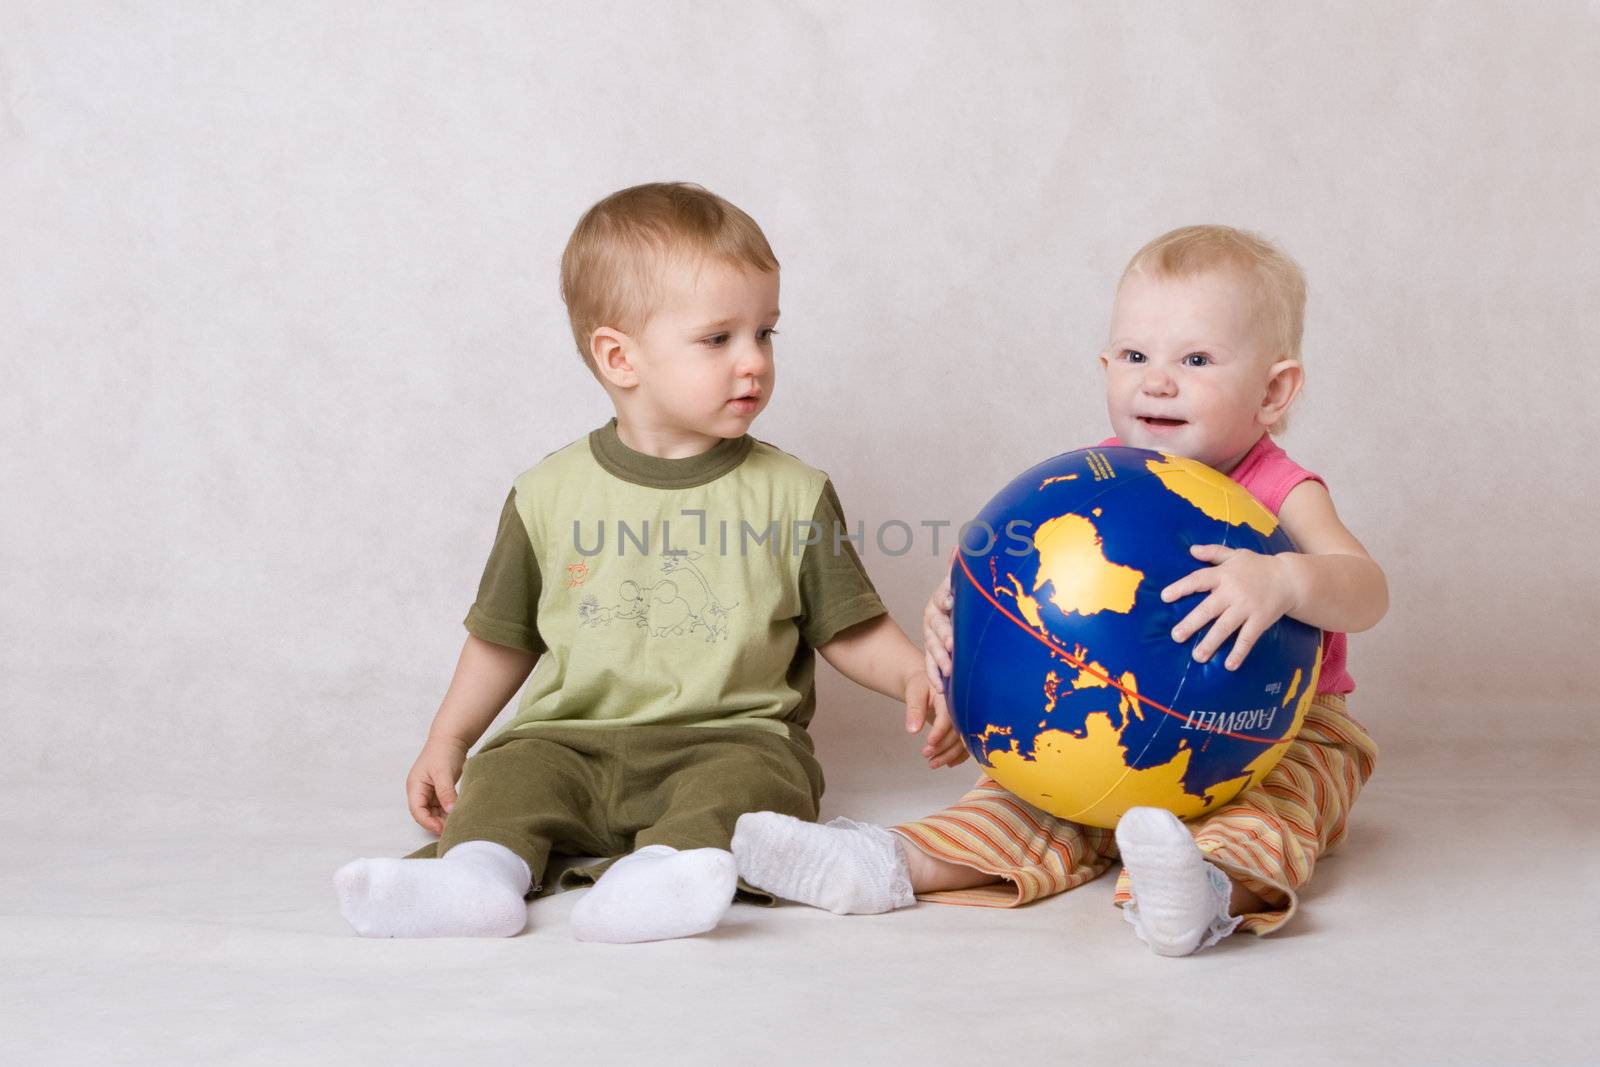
(1203, 362)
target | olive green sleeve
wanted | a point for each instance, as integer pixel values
(835, 592)
(507, 609)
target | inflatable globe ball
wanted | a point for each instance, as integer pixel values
(1066, 682)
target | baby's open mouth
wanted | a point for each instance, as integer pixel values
(1150, 420)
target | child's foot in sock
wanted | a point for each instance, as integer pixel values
(1180, 902)
(475, 890)
(848, 867)
(655, 894)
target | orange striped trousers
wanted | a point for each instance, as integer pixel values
(1267, 838)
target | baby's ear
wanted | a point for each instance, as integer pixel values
(1284, 380)
(608, 349)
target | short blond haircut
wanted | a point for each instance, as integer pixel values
(615, 263)
(1279, 282)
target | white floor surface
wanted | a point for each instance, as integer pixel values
(1459, 925)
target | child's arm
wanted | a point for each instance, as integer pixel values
(878, 655)
(1331, 583)
(487, 675)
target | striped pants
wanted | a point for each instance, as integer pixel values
(1267, 838)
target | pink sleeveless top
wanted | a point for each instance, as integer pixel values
(1268, 473)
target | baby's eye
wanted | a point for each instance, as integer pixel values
(1133, 357)
(1196, 359)
(716, 340)
(766, 334)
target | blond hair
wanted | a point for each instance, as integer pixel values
(1280, 284)
(613, 268)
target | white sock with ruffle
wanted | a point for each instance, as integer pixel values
(1180, 902)
(849, 868)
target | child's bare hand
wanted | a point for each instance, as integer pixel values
(1248, 593)
(938, 635)
(943, 747)
(431, 785)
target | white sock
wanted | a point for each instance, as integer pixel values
(655, 894)
(474, 890)
(1180, 902)
(850, 868)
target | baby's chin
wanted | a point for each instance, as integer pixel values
(1173, 444)
(732, 424)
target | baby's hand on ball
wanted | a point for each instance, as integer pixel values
(1248, 592)
(938, 635)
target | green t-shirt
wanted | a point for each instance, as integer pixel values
(683, 592)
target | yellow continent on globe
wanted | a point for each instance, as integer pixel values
(1086, 778)
(1082, 580)
(1216, 494)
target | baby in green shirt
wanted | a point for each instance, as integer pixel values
(670, 576)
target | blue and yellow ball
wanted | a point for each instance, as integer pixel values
(1067, 685)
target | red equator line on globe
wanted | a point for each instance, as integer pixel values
(1045, 640)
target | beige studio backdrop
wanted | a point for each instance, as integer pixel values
(279, 324)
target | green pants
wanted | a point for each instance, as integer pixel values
(593, 791)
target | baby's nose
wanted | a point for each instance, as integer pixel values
(1157, 381)
(752, 360)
